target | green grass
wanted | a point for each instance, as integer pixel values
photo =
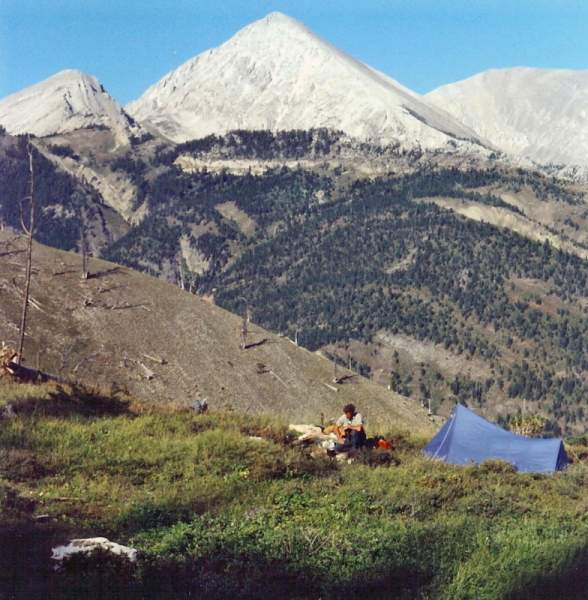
(219, 514)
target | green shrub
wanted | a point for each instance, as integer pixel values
(13, 506)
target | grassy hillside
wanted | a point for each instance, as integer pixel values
(218, 514)
(129, 331)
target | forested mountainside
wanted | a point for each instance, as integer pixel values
(378, 269)
(64, 203)
(398, 266)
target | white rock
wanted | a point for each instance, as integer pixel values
(88, 545)
(66, 101)
(275, 74)
(539, 114)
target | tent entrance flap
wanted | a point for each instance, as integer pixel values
(468, 438)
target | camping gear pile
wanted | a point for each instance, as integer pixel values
(314, 435)
(322, 440)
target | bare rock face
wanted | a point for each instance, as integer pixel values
(65, 102)
(276, 74)
(539, 114)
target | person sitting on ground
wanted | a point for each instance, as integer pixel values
(351, 426)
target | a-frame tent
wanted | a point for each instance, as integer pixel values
(468, 438)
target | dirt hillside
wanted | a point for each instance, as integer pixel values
(114, 329)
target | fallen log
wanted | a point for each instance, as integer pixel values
(9, 367)
(25, 374)
(32, 301)
(278, 378)
(149, 374)
(161, 361)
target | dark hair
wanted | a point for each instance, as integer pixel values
(349, 408)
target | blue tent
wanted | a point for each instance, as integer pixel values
(467, 438)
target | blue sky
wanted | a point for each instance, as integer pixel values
(130, 44)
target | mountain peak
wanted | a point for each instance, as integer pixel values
(276, 74)
(68, 100)
(70, 74)
(277, 30)
(279, 17)
(535, 113)
(276, 20)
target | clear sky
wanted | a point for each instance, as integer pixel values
(130, 44)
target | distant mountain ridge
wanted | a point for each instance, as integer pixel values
(539, 114)
(276, 74)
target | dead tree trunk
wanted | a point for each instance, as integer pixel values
(29, 230)
(180, 266)
(245, 327)
(83, 249)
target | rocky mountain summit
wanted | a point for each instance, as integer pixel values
(67, 101)
(276, 74)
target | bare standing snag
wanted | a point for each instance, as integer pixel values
(29, 230)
